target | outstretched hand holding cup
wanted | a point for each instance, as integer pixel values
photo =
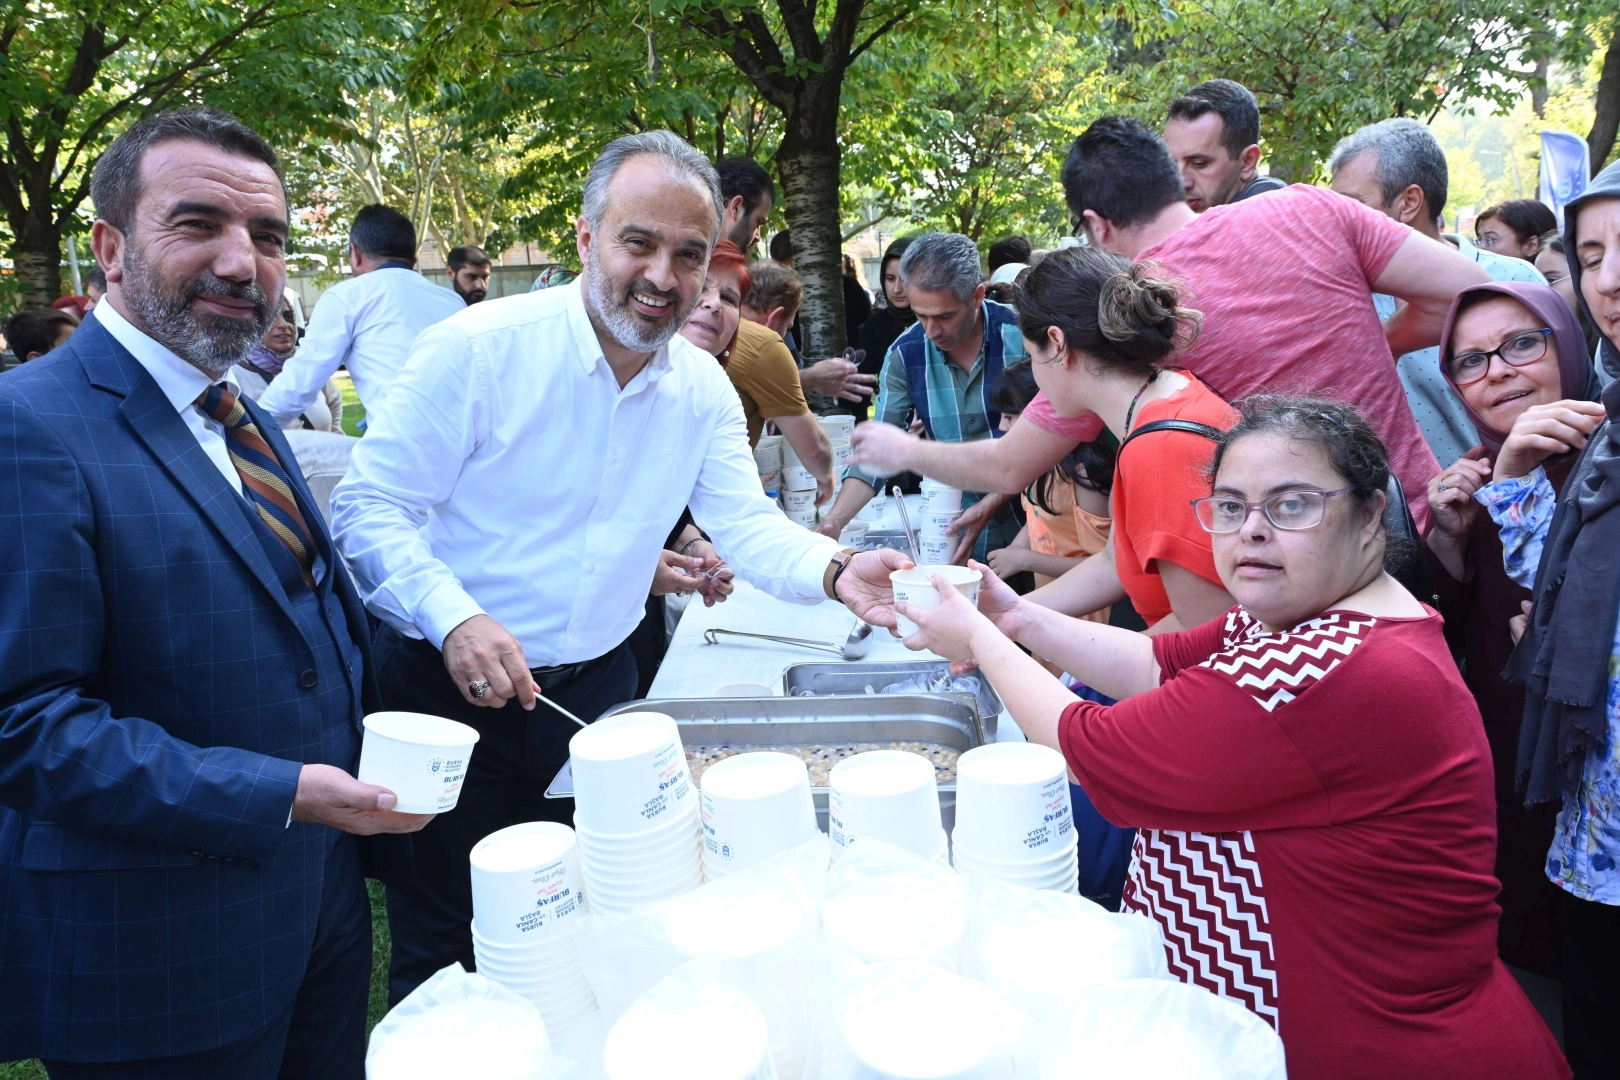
(946, 625)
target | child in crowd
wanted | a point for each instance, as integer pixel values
(1066, 511)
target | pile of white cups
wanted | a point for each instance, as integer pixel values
(941, 506)
(636, 812)
(840, 429)
(1013, 818)
(891, 795)
(755, 805)
(527, 896)
(768, 459)
(798, 488)
(710, 1031)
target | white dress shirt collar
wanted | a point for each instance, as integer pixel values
(181, 382)
(590, 346)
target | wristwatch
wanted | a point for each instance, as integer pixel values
(840, 561)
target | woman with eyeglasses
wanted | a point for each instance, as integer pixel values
(1511, 351)
(261, 366)
(1307, 772)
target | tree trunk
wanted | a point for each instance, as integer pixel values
(808, 161)
(1606, 105)
(1538, 91)
(37, 256)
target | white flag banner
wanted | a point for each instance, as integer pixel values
(1566, 165)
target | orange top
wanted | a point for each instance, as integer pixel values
(1155, 481)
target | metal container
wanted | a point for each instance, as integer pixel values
(948, 719)
(886, 538)
(826, 680)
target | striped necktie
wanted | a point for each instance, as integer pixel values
(264, 480)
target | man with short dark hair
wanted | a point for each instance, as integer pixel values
(1397, 168)
(1309, 327)
(33, 333)
(1008, 250)
(365, 323)
(95, 287)
(782, 248)
(749, 195)
(1213, 132)
(185, 662)
(468, 268)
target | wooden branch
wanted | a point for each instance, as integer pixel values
(800, 23)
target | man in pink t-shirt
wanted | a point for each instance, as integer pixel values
(1285, 287)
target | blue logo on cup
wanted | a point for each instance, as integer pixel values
(435, 765)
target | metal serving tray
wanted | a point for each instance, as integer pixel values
(886, 538)
(948, 719)
(853, 677)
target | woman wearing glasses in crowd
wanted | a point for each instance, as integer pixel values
(1511, 351)
(1307, 772)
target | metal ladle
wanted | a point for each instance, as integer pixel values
(855, 647)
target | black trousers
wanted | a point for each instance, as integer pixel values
(1590, 966)
(517, 755)
(321, 1037)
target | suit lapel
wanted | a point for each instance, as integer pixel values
(156, 424)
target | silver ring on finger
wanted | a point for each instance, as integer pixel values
(478, 689)
(1442, 486)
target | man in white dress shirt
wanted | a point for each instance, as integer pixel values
(506, 516)
(365, 323)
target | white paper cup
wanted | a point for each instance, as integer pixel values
(938, 498)
(790, 456)
(932, 526)
(874, 507)
(754, 806)
(421, 759)
(720, 1035)
(915, 586)
(891, 795)
(768, 453)
(629, 773)
(807, 518)
(797, 478)
(799, 501)
(526, 881)
(839, 427)
(1012, 802)
(743, 689)
(843, 456)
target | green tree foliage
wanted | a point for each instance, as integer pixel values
(75, 73)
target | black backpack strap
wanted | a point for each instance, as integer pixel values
(1186, 427)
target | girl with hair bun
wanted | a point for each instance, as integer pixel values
(1101, 334)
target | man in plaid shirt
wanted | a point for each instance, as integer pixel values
(942, 369)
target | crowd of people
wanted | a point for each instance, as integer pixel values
(1275, 491)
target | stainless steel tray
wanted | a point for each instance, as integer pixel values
(949, 719)
(853, 677)
(886, 538)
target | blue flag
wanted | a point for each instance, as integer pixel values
(1565, 167)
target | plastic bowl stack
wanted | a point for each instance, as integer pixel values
(636, 812)
(678, 1032)
(754, 806)
(906, 1021)
(890, 795)
(527, 893)
(1013, 818)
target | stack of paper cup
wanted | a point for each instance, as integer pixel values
(528, 892)
(838, 426)
(754, 806)
(1013, 819)
(640, 833)
(904, 1021)
(795, 477)
(717, 1034)
(916, 587)
(891, 795)
(941, 506)
(768, 458)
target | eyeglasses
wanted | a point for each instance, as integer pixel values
(1518, 350)
(1292, 511)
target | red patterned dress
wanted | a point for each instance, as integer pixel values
(1317, 834)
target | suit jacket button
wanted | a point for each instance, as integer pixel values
(308, 679)
(250, 864)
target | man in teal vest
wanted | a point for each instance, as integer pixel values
(941, 370)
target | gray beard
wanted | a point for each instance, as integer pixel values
(621, 324)
(210, 343)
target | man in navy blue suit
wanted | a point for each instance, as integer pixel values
(183, 662)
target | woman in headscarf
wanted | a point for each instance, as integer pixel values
(254, 374)
(1537, 357)
(888, 320)
(1564, 543)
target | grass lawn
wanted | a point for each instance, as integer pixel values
(353, 413)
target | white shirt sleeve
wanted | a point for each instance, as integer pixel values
(327, 341)
(770, 552)
(402, 469)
